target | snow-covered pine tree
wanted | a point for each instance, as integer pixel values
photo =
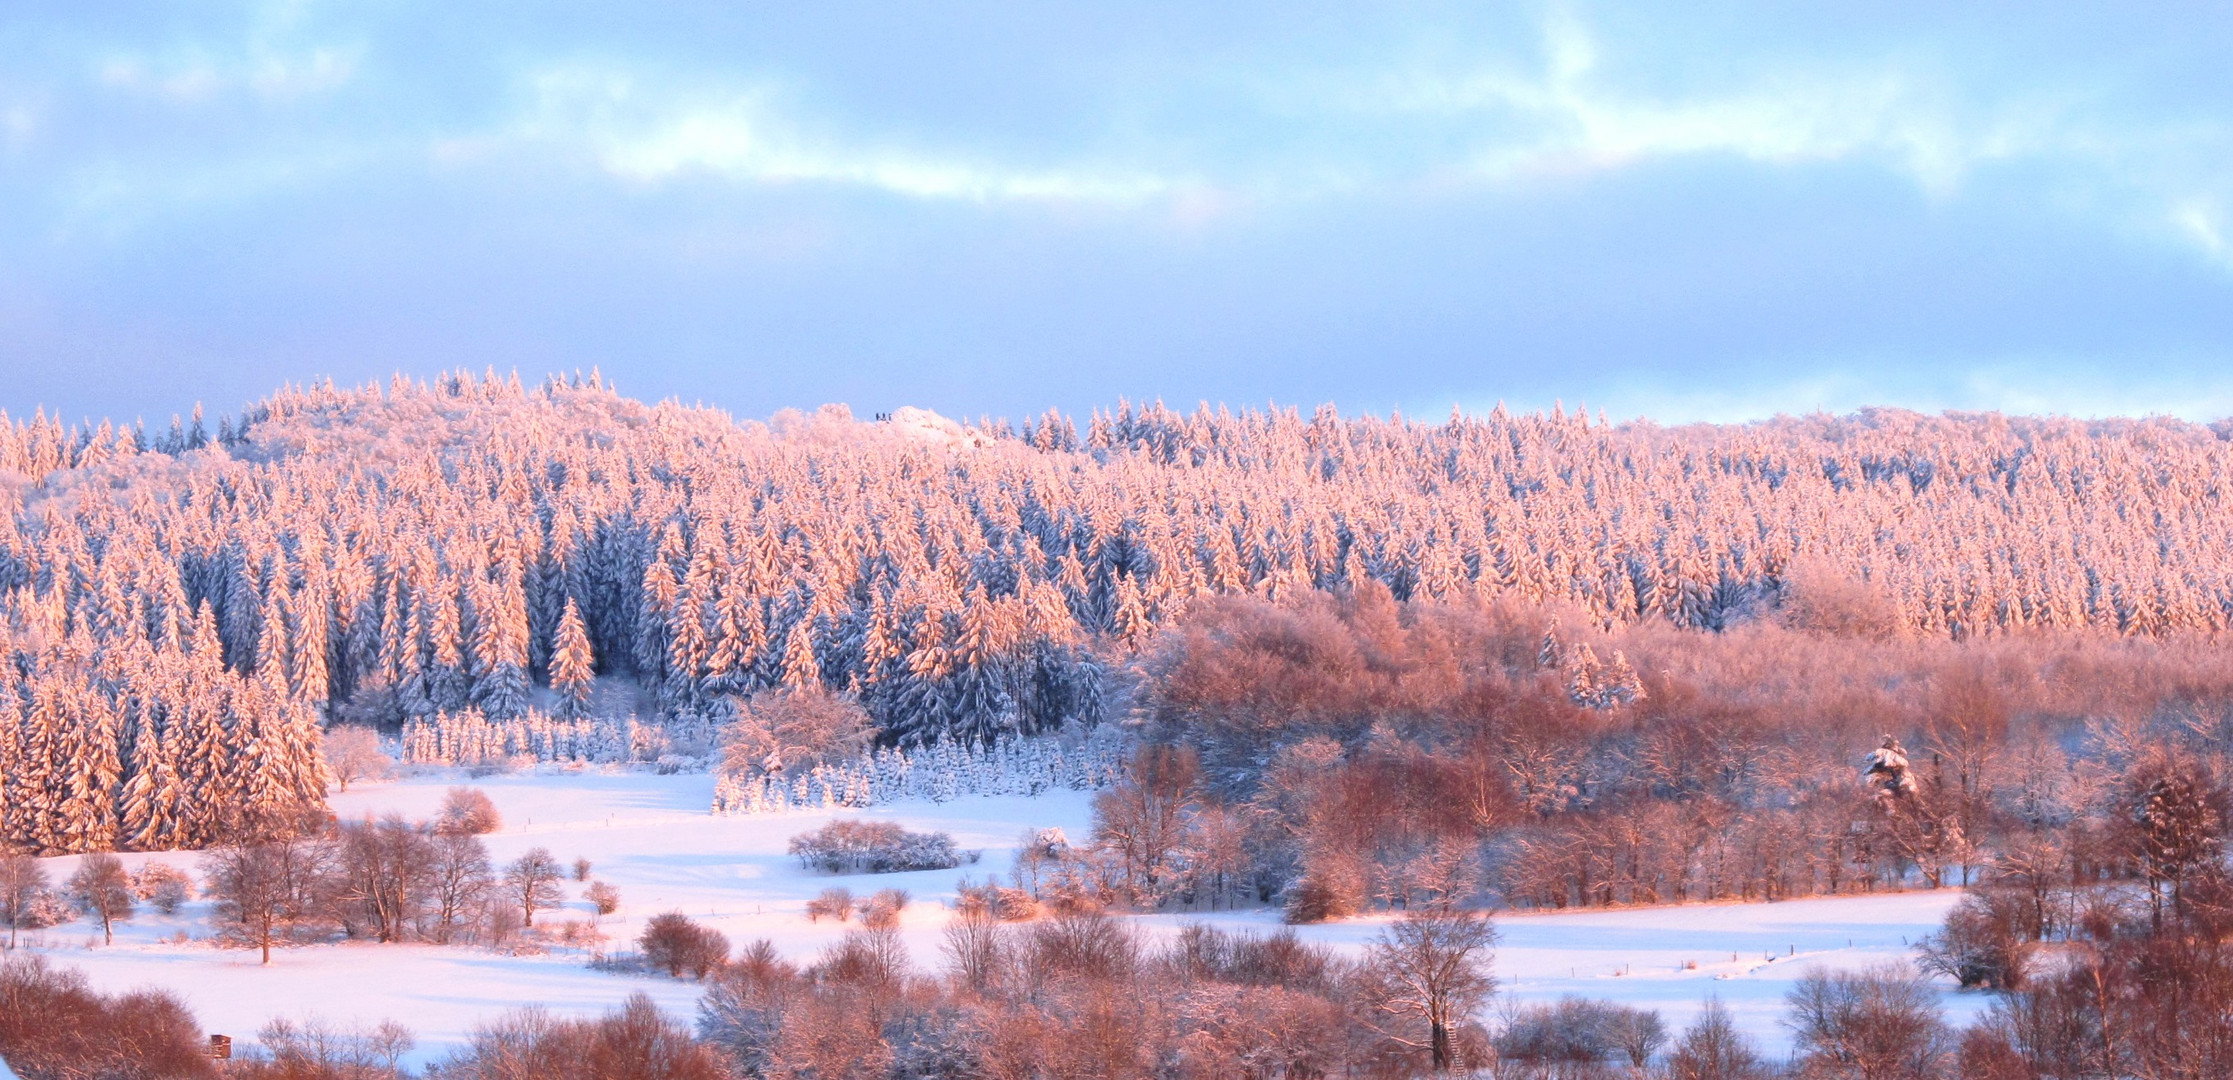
(499, 646)
(1583, 676)
(572, 666)
(800, 670)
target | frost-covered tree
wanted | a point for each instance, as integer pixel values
(101, 888)
(572, 665)
(532, 883)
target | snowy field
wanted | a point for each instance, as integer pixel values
(651, 837)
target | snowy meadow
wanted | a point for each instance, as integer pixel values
(651, 836)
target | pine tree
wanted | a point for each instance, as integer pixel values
(572, 667)
(499, 648)
(800, 671)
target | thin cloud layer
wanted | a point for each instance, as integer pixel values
(743, 137)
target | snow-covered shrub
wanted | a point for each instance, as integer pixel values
(834, 903)
(1039, 854)
(882, 910)
(604, 897)
(938, 772)
(44, 908)
(1055, 875)
(875, 847)
(1576, 1030)
(1313, 900)
(53, 1025)
(674, 944)
(162, 885)
(1046, 843)
(1983, 944)
(996, 900)
(468, 810)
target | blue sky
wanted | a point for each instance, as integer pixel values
(1708, 212)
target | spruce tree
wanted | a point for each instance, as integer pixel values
(572, 666)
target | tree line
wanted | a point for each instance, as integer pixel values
(180, 610)
(1338, 753)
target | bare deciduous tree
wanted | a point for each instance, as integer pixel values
(458, 879)
(22, 880)
(353, 753)
(788, 729)
(532, 883)
(386, 869)
(267, 890)
(101, 888)
(1713, 1049)
(1430, 969)
(314, 1048)
(1882, 1024)
(1143, 819)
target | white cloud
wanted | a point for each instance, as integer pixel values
(652, 136)
(2203, 222)
(1573, 114)
(1573, 111)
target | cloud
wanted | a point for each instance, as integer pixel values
(2204, 223)
(1574, 112)
(2136, 167)
(649, 136)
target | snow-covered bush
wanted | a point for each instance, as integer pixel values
(875, 847)
(674, 944)
(163, 886)
(43, 908)
(938, 772)
(882, 910)
(834, 903)
(1984, 944)
(468, 810)
(996, 900)
(604, 897)
(1578, 1030)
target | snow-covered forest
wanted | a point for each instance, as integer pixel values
(184, 608)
